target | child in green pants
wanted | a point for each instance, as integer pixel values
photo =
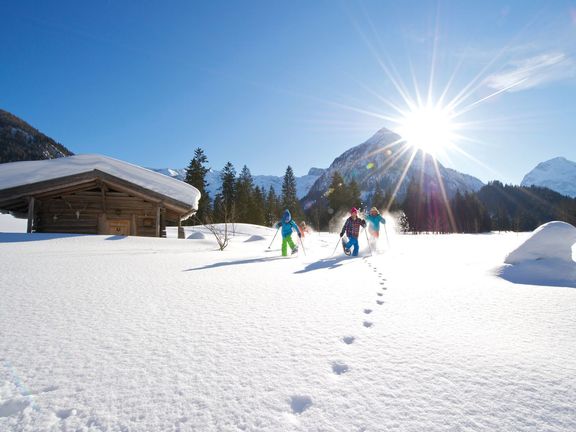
(288, 225)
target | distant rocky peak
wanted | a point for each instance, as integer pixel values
(558, 174)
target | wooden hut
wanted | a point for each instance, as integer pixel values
(94, 194)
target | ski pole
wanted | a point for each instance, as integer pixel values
(302, 244)
(386, 232)
(339, 241)
(273, 238)
(368, 241)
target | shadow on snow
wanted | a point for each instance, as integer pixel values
(328, 263)
(26, 237)
(239, 262)
(526, 275)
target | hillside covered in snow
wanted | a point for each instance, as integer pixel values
(558, 174)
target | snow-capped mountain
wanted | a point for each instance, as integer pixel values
(303, 183)
(382, 160)
(558, 174)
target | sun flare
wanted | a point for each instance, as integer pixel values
(428, 129)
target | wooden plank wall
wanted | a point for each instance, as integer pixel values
(86, 212)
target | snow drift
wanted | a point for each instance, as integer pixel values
(545, 258)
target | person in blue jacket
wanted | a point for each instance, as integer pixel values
(374, 218)
(288, 225)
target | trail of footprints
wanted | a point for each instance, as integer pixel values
(339, 368)
(300, 403)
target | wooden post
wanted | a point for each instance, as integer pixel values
(163, 222)
(102, 217)
(103, 194)
(30, 214)
(133, 231)
(157, 221)
(180, 229)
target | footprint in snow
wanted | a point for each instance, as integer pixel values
(13, 406)
(348, 340)
(380, 302)
(367, 311)
(368, 324)
(379, 294)
(299, 403)
(339, 368)
(63, 414)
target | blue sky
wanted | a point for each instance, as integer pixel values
(276, 83)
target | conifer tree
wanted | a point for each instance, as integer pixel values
(354, 195)
(272, 212)
(244, 196)
(289, 198)
(337, 194)
(413, 206)
(196, 176)
(257, 212)
(224, 205)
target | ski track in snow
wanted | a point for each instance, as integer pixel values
(172, 335)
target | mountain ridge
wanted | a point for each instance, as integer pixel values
(19, 141)
(558, 174)
(384, 160)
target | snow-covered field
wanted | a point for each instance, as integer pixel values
(101, 333)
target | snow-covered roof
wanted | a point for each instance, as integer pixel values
(15, 174)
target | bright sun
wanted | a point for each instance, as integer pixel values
(428, 129)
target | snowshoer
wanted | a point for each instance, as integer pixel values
(288, 225)
(374, 218)
(352, 229)
(303, 229)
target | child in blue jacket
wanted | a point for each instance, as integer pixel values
(288, 225)
(374, 218)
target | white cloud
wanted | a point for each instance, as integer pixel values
(533, 72)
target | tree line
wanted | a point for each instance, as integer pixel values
(495, 207)
(238, 199)
(424, 208)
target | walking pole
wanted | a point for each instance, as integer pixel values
(368, 241)
(274, 237)
(386, 232)
(302, 244)
(339, 241)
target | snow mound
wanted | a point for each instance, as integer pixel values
(255, 238)
(553, 240)
(196, 236)
(545, 258)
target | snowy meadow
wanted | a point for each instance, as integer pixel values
(106, 333)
